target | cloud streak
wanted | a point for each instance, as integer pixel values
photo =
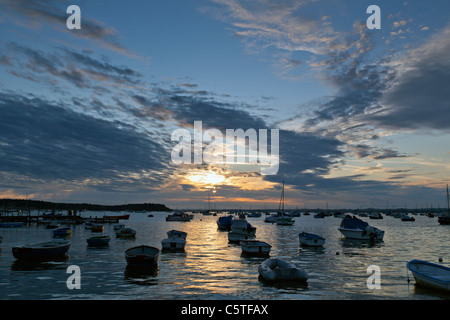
(54, 13)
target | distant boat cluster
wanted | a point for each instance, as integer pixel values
(58, 247)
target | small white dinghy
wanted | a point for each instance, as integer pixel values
(354, 228)
(280, 270)
(176, 240)
(310, 240)
(430, 274)
(255, 247)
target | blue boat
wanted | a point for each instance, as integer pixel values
(42, 251)
(430, 274)
(224, 223)
(98, 241)
(62, 232)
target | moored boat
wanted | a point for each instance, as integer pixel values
(118, 226)
(142, 256)
(255, 247)
(430, 274)
(238, 237)
(255, 215)
(52, 226)
(241, 226)
(280, 270)
(118, 217)
(284, 220)
(176, 240)
(224, 223)
(444, 218)
(310, 240)
(319, 215)
(179, 216)
(98, 241)
(97, 228)
(271, 219)
(408, 218)
(354, 228)
(375, 215)
(62, 232)
(42, 251)
(173, 244)
(126, 233)
(176, 234)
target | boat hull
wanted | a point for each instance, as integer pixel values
(241, 226)
(360, 234)
(285, 221)
(42, 251)
(444, 220)
(238, 237)
(97, 228)
(62, 232)
(98, 241)
(142, 256)
(121, 217)
(279, 270)
(177, 234)
(126, 233)
(430, 275)
(173, 244)
(254, 247)
(179, 217)
(354, 228)
(310, 240)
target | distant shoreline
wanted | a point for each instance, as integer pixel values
(24, 204)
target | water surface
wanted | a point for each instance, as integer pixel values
(212, 268)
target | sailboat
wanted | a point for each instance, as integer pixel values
(445, 219)
(282, 218)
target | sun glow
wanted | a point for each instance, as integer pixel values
(206, 177)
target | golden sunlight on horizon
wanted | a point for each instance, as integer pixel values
(206, 177)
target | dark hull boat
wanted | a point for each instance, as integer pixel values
(42, 251)
(98, 241)
(120, 217)
(142, 256)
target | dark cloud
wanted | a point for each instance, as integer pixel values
(420, 98)
(40, 140)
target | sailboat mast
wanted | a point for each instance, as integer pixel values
(281, 206)
(448, 206)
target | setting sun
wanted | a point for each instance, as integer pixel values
(206, 177)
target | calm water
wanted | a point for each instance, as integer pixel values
(211, 268)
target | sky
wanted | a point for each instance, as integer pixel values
(361, 114)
